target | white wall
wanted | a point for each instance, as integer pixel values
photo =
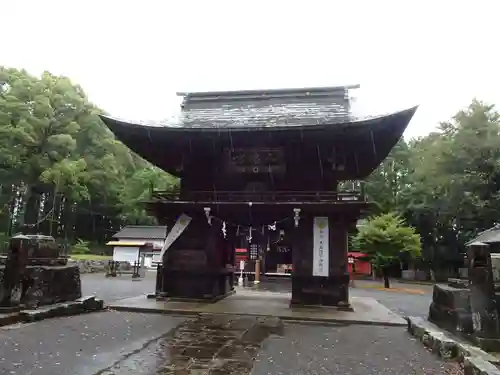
(130, 253)
(125, 254)
(156, 258)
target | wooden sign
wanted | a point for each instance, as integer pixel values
(320, 247)
(180, 225)
(255, 160)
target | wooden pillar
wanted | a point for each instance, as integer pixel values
(194, 265)
(310, 284)
(257, 271)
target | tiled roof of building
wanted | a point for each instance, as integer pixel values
(265, 108)
(489, 236)
(147, 232)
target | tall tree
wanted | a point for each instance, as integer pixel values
(455, 183)
(384, 186)
(61, 170)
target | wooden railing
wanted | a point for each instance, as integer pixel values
(267, 196)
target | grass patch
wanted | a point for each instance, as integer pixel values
(90, 257)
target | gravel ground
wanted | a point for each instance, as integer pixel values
(81, 344)
(131, 343)
(347, 350)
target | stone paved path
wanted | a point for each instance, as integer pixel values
(112, 289)
(113, 343)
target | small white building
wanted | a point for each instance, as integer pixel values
(127, 242)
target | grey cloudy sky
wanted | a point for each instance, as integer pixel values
(132, 56)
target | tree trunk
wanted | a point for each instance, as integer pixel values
(31, 209)
(385, 274)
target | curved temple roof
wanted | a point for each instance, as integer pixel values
(166, 146)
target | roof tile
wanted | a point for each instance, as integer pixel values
(300, 107)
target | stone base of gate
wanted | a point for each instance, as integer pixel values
(263, 303)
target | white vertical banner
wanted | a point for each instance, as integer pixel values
(179, 227)
(320, 247)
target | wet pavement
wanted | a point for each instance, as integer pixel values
(113, 289)
(404, 304)
(215, 345)
(82, 344)
(113, 343)
(347, 350)
(258, 302)
(400, 303)
(116, 343)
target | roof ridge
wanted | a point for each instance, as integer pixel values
(272, 92)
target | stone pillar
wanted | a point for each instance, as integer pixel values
(486, 326)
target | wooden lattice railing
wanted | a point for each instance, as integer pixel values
(268, 196)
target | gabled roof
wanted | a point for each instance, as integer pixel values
(487, 237)
(147, 232)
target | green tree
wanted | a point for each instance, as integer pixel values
(62, 172)
(386, 238)
(139, 188)
(384, 186)
(455, 182)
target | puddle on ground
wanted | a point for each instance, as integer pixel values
(207, 345)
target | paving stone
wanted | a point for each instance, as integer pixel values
(81, 305)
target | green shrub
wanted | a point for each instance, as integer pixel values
(80, 247)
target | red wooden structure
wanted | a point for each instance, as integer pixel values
(241, 255)
(359, 263)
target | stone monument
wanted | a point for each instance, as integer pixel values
(470, 306)
(485, 322)
(34, 274)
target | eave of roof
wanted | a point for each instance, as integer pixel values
(489, 236)
(163, 145)
(117, 124)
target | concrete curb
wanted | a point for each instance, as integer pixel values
(360, 285)
(416, 282)
(8, 319)
(164, 311)
(474, 360)
(80, 306)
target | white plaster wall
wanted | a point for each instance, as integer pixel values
(125, 254)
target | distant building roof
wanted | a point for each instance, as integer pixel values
(147, 232)
(487, 237)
